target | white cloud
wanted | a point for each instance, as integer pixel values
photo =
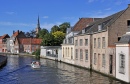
(48, 26)
(108, 9)
(15, 24)
(45, 17)
(10, 13)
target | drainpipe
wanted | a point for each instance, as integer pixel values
(91, 51)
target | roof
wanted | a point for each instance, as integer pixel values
(125, 38)
(30, 41)
(104, 22)
(15, 34)
(18, 34)
(82, 23)
(4, 36)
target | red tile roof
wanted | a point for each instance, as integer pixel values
(82, 23)
(15, 34)
(4, 36)
(30, 41)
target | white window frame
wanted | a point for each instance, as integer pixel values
(86, 54)
(76, 54)
(103, 60)
(94, 42)
(81, 42)
(121, 63)
(99, 42)
(95, 58)
(81, 54)
(103, 42)
(86, 42)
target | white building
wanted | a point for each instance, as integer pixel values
(123, 58)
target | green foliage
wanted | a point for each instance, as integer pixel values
(42, 32)
(48, 40)
(64, 26)
(36, 53)
(59, 37)
(54, 29)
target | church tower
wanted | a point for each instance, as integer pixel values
(38, 26)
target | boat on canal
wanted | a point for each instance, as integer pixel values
(35, 64)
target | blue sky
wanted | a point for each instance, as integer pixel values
(22, 14)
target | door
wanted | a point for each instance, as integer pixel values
(110, 63)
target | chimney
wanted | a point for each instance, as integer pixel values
(13, 31)
(128, 5)
(18, 31)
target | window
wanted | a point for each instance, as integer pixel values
(81, 42)
(86, 54)
(128, 22)
(71, 53)
(76, 43)
(103, 42)
(98, 42)
(122, 63)
(86, 42)
(76, 53)
(119, 38)
(103, 60)
(99, 27)
(68, 52)
(95, 59)
(94, 42)
(63, 52)
(81, 54)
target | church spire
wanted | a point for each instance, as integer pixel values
(38, 24)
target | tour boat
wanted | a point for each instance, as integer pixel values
(35, 64)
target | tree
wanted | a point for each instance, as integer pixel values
(58, 37)
(27, 34)
(48, 40)
(42, 33)
(54, 29)
(31, 34)
(64, 26)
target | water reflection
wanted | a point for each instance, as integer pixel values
(18, 71)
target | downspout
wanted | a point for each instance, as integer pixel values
(91, 51)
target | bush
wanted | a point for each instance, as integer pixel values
(36, 53)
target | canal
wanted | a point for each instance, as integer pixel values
(18, 71)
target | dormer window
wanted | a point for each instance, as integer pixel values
(99, 27)
(83, 31)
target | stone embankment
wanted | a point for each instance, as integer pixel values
(3, 60)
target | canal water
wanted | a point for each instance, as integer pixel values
(18, 71)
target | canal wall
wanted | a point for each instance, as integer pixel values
(3, 60)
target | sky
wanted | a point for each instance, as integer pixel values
(23, 14)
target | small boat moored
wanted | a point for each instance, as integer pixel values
(35, 64)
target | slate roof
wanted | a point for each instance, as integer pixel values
(30, 41)
(125, 38)
(107, 21)
(82, 23)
